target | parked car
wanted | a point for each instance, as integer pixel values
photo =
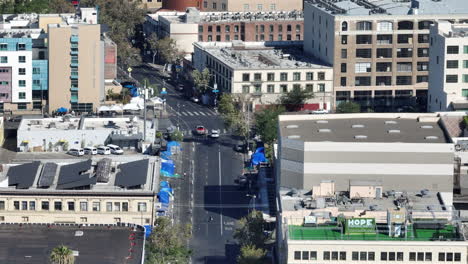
(180, 87)
(90, 151)
(103, 150)
(76, 152)
(320, 111)
(214, 133)
(114, 149)
(201, 130)
(240, 147)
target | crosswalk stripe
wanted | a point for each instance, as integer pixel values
(190, 113)
(201, 113)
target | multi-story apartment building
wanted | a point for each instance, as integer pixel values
(83, 192)
(379, 49)
(262, 74)
(234, 5)
(448, 78)
(192, 26)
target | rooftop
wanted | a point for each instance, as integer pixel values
(258, 55)
(372, 127)
(103, 176)
(390, 7)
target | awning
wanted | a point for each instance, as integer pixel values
(116, 108)
(131, 107)
(104, 108)
(460, 106)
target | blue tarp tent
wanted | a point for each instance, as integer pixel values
(258, 157)
(62, 110)
(164, 195)
(167, 168)
(164, 184)
(167, 154)
(148, 230)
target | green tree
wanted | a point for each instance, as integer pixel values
(348, 107)
(167, 243)
(62, 255)
(36, 6)
(249, 254)
(295, 99)
(177, 136)
(152, 44)
(232, 116)
(61, 6)
(250, 230)
(266, 122)
(201, 80)
(166, 49)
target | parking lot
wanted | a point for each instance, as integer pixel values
(96, 245)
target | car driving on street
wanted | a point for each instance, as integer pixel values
(201, 130)
(214, 133)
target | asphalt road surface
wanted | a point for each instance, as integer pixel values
(217, 201)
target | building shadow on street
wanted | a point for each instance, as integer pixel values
(228, 200)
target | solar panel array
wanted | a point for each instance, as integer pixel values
(48, 174)
(73, 176)
(132, 174)
(103, 170)
(23, 175)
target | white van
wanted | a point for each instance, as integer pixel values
(76, 152)
(90, 151)
(103, 150)
(114, 149)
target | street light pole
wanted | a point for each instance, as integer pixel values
(144, 112)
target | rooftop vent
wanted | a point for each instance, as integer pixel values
(360, 137)
(292, 126)
(358, 126)
(431, 137)
(391, 122)
(427, 127)
(321, 121)
(294, 136)
(324, 130)
(393, 131)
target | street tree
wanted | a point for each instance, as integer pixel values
(250, 230)
(249, 254)
(152, 45)
(266, 122)
(177, 136)
(295, 99)
(62, 255)
(60, 6)
(232, 115)
(167, 50)
(167, 243)
(201, 80)
(348, 107)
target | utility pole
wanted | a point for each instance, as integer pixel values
(144, 112)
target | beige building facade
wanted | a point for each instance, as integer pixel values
(252, 6)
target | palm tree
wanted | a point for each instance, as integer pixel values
(62, 255)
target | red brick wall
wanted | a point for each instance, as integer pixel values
(181, 5)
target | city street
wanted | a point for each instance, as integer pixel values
(212, 166)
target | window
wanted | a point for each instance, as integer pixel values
(296, 87)
(45, 206)
(21, 46)
(272, 7)
(218, 38)
(83, 206)
(223, 6)
(288, 37)
(280, 28)
(451, 78)
(405, 53)
(3, 46)
(420, 256)
(309, 87)
(262, 28)
(405, 39)
(246, 7)
(334, 255)
(383, 80)
(309, 76)
(403, 80)
(36, 70)
(280, 37)
(321, 87)
(452, 49)
(21, 71)
(383, 67)
(22, 106)
(362, 255)
(283, 76)
(344, 26)
(422, 78)
(355, 255)
(21, 59)
(425, 24)
(297, 255)
(344, 53)
(465, 49)
(257, 77)
(457, 257)
(326, 255)
(289, 28)
(364, 25)
(423, 66)
(405, 25)
(96, 206)
(214, 6)
(362, 81)
(22, 95)
(24, 205)
(259, 7)
(16, 205)
(236, 28)
(298, 28)
(423, 38)
(362, 67)
(109, 206)
(3, 59)
(391, 256)
(363, 53)
(2, 205)
(258, 88)
(58, 206)
(245, 77)
(404, 66)
(385, 26)
(270, 88)
(270, 76)
(343, 81)
(342, 255)
(141, 207)
(343, 67)
(22, 83)
(296, 76)
(364, 39)
(125, 207)
(83, 219)
(452, 64)
(428, 256)
(71, 206)
(423, 52)
(321, 76)
(284, 88)
(344, 40)
(384, 53)
(384, 39)
(371, 256)
(441, 256)
(449, 257)
(313, 255)
(245, 89)
(305, 255)
(210, 38)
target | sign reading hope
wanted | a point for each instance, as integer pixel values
(361, 222)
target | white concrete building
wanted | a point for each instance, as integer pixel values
(448, 78)
(265, 72)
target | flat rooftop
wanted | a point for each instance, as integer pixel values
(222, 17)
(98, 245)
(377, 128)
(335, 232)
(83, 176)
(252, 56)
(389, 7)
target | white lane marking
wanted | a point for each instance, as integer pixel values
(220, 198)
(190, 113)
(201, 113)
